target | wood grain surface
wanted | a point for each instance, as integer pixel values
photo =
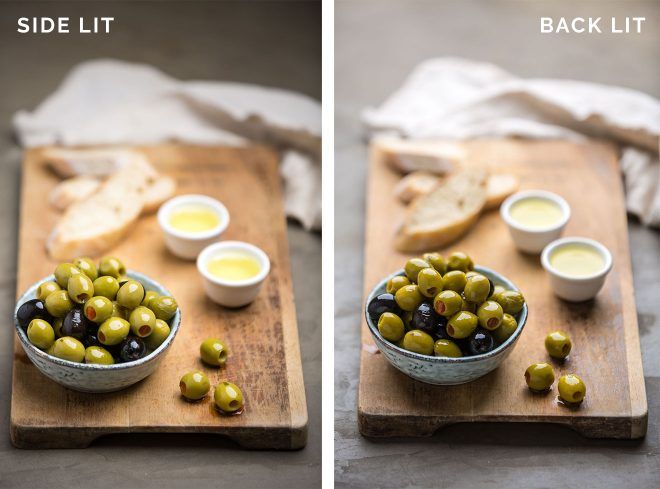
(262, 337)
(606, 352)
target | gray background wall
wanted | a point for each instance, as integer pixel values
(376, 45)
(271, 43)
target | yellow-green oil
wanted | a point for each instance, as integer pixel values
(536, 213)
(234, 266)
(192, 218)
(577, 260)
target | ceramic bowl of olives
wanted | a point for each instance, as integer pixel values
(118, 348)
(445, 322)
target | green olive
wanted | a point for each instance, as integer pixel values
(490, 315)
(571, 389)
(391, 327)
(447, 303)
(496, 290)
(462, 324)
(558, 344)
(164, 307)
(213, 352)
(142, 321)
(506, 329)
(460, 261)
(119, 311)
(412, 268)
(454, 280)
(194, 385)
(396, 282)
(41, 334)
(57, 327)
(106, 286)
(158, 335)
(539, 377)
(98, 355)
(63, 272)
(58, 303)
(98, 309)
(468, 306)
(228, 397)
(446, 348)
(406, 317)
(477, 288)
(112, 266)
(68, 348)
(429, 282)
(148, 295)
(131, 295)
(408, 297)
(86, 266)
(511, 301)
(437, 261)
(47, 288)
(419, 342)
(80, 288)
(113, 331)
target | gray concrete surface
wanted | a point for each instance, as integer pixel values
(272, 43)
(376, 45)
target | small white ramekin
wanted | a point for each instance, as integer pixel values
(533, 240)
(576, 289)
(226, 293)
(188, 245)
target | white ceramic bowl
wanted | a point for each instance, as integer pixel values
(232, 293)
(86, 377)
(533, 240)
(188, 245)
(576, 289)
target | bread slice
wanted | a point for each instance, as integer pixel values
(157, 192)
(73, 190)
(415, 184)
(405, 156)
(68, 163)
(500, 186)
(444, 215)
(92, 226)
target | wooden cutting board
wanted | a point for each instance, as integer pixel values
(606, 352)
(262, 337)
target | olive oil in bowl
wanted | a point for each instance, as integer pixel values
(536, 213)
(234, 266)
(194, 218)
(577, 260)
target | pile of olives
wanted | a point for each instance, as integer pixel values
(227, 397)
(540, 376)
(443, 307)
(96, 314)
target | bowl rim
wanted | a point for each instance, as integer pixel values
(149, 285)
(521, 318)
(180, 200)
(505, 209)
(251, 249)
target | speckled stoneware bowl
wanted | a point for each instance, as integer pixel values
(85, 377)
(444, 370)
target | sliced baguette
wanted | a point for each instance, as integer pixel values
(92, 226)
(68, 163)
(157, 192)
(405, 156)
(444, 215)
(72, 190)
(500, 186)
(415, 184)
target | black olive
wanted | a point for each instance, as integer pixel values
(132, 348)
(492, 287)
(426, 319)
(32, 309)
(441, 333)
(383, 303)
(481, 341)
(92, 340)
(75, 324)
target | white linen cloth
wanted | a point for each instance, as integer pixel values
(452, 98)
(108, 102)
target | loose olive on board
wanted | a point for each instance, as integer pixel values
(47, 288)
(419, 342)
(408, 297)
(437, 261)
(131, 294)
(454, 280)
(447, 303)
(112, 266)
(58, 304)
(63, 272)
(87, 266)
(460, 261)
(506, 329)
(490, 315)
(228, 397)
(98, 309)
(539, 377)
(32, 309)
(381, 304)
(391, 327)
(558, 344)
(80, 288)
(106, 286)
(413, 267)
(446, 348)
(98, 355)
(41, 334)
(571, 389)
(159, 334)
(214, 352)
(68, 348)
(164, 307)
(194, 385)
(462, 324)
(429, 282)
